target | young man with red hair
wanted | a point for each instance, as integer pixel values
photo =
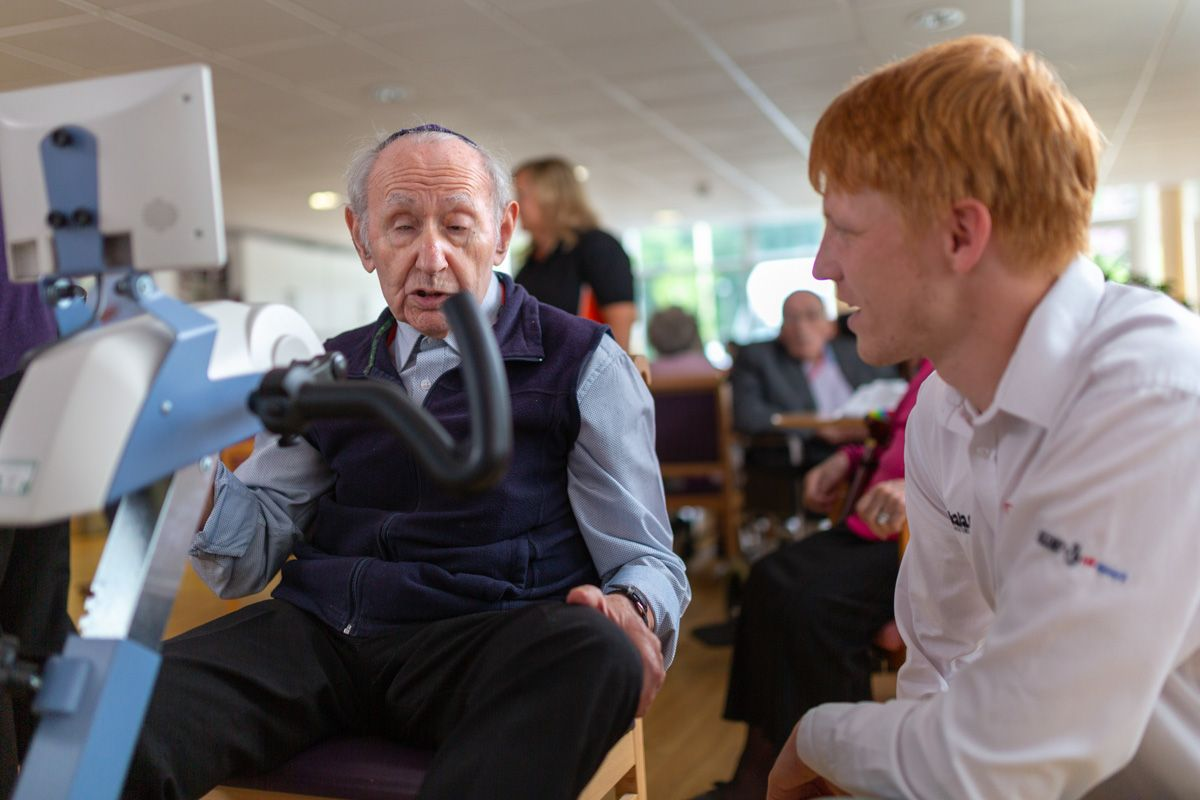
(1049, 596)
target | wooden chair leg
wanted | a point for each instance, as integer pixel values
(623, 770)
(632, 786)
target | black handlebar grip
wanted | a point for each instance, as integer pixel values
(287, 399)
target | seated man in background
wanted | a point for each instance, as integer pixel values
(679, 352)
(1050, 594)
(517, 631)
(812, 608)
(806, 368)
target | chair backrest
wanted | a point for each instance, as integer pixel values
(693, 422)
(694, 442)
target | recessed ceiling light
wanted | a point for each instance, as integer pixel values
(937, 19)
(326, 201)
(390, 93)
(667, 216)
(581, 173)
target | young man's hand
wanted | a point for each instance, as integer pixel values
(792, 779)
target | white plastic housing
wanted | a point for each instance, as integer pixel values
(77, 404)
(159, 181)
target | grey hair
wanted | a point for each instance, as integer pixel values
(364, 160)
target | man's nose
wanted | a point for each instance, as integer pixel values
(431, 256)
(824, 267)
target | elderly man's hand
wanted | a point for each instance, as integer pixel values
(620, 609)
(792, 779)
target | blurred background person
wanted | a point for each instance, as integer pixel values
(571, 263)
(807, 368)
(34, 563)
(812, 608)
(675, 337)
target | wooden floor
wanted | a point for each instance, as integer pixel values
(688, 745)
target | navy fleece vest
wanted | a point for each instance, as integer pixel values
(389, 547)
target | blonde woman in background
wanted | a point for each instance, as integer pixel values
(571, 263)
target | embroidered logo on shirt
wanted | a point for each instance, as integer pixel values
(1073, 555)
(961, 522)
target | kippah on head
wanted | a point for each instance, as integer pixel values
(429, 127)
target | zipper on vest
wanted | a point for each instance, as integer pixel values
(355, 574)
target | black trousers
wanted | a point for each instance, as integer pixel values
(809, 614)
(35, 574)
(517, 704)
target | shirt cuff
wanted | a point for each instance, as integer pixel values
(855, 745)
(663, 600)
(229, 540)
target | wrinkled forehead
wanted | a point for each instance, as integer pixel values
(419, 173)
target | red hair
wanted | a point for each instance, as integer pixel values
(969, 118)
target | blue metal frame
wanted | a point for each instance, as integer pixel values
(94, 696)
(92, 702)
(196, 415)
(72, 187)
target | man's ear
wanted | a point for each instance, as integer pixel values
(364, 252)
(508, 224)
(968, 232)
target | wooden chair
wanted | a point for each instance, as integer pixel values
(375, 769)
(694, 442)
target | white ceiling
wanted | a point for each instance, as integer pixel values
(703, 106)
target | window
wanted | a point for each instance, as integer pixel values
(707, 270)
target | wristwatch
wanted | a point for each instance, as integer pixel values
(640, 603)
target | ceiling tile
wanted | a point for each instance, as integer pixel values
(607, 23)
(17, 73)
(24, 12)
(752, 35)
(223, 24)
(368, 14)
(327, 63)
(98, 45)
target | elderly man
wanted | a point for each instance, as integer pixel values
(1049, 595)
(517, 632)
(806, 368)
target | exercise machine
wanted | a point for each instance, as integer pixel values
(102, 182)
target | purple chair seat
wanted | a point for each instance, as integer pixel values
(360, 768)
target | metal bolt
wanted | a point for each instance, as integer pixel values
(166, 407)
(83, 217)
(56, 219)
(61, 137)
(144, 285)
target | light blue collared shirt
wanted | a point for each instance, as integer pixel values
(613, 483)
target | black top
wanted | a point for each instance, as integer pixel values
(596, 260)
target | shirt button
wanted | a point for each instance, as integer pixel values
(426, 383)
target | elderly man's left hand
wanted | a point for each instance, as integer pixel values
(620, 609)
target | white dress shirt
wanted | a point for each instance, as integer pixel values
(613, 483)
(1049, 596)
